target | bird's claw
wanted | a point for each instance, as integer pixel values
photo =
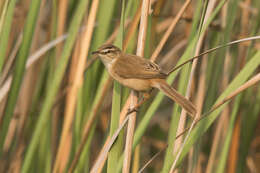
(132, 110)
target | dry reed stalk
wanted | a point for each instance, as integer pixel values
(93, 116)
(87, 127)
(61, 22)
(177, 144)
(66, 136)
(169, 31)
(134, 94)
(103, 155)
(199, 102)
(133, 26)
(233, 152)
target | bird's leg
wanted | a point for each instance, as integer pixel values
(146, 96)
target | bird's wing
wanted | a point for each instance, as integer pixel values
(131, 66)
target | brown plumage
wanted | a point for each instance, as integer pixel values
(126, 67)
(139, 74)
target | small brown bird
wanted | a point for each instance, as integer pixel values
(139, 74)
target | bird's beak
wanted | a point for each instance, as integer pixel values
(95, 52)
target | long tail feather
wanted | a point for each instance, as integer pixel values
(175, 96)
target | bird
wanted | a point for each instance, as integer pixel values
(139, 74)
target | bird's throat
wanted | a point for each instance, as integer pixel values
(107, 62)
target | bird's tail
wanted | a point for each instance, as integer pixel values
(175, 96)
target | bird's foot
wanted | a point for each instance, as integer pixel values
(135, 109)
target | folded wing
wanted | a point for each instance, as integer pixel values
(131, 66)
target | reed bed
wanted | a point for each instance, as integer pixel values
(61, 112)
